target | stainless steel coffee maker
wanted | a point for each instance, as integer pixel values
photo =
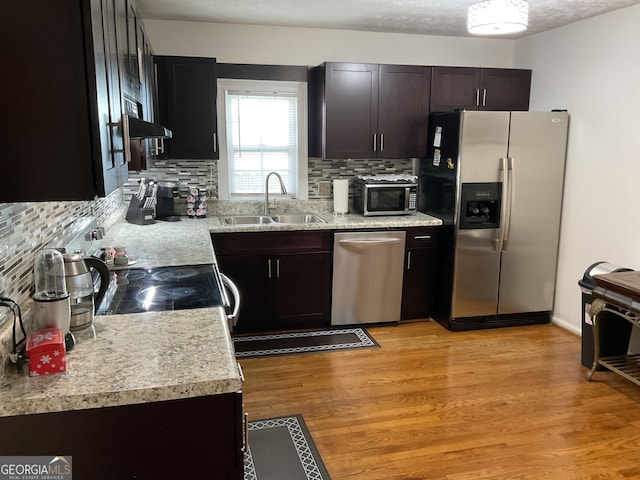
(80, 285)
(51, 306)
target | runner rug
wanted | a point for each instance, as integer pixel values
(302, 342)
(282, 449)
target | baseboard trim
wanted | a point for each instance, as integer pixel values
(494, 321)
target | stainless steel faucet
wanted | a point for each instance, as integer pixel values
(283, 190)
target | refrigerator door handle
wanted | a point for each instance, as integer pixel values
(510, 195)
(504, 174)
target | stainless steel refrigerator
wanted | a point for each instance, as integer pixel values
(496, 180)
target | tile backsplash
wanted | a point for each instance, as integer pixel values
(26, 227)
(204, 174)
(321, 170)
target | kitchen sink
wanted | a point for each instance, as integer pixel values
(265, 220)
(246, 220)
(298, 218)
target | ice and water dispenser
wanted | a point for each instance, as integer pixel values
(480, 205)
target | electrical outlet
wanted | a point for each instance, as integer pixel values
(324, 188)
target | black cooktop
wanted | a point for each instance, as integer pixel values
(163, 288)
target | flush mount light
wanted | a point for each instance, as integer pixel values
(497, 17)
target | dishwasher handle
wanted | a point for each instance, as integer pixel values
(370, 243)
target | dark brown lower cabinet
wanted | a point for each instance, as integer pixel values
(284, 278)
(190, 439)
(420, 273)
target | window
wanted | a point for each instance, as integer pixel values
(262, 128)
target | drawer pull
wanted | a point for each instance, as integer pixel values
(422, 237)
(246, 433)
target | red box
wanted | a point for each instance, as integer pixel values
(46, 352)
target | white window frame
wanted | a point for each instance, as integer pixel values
(262, 86)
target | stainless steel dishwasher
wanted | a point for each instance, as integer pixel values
(367, 277)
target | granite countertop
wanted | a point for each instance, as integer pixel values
(158, 356)
(133, 359)
(163, 244)
(333, 222)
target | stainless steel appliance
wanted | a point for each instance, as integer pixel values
(165, 207)
(496, 180)
(181, 287)
(367, 277)
(51, 306)
(162, 288)
(386, 194)
(80, 285)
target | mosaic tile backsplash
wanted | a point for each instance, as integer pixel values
(26, 227)
(204, 174)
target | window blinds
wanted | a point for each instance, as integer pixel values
(262, 137)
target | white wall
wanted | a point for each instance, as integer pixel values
(309, 46)
(592, 68)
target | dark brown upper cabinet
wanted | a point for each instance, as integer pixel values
(64, 137)
(469, 88)
(368, 110)
(187, 106)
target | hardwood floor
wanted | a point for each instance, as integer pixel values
(509, 403)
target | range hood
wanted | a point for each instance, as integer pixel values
(139, 129)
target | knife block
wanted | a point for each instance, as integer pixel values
(137, 214)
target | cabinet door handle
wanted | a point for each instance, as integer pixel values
(215, 142)
(277, 268)
(140, 68)
(408, 260)
(477, 97)
(269, 263)
(245, 445)
(126, 142)
(382, 142)
(484, 97)
(375, 141)
(158, 146)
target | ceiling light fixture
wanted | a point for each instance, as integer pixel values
(498, 17)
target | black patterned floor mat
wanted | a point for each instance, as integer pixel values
(302, 342)
(282, 449)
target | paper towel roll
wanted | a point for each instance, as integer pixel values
(340, 196)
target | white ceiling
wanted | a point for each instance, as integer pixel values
(425, 17)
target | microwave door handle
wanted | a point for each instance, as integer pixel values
(407, 194)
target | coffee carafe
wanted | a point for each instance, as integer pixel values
(51, 306)
(79, 283)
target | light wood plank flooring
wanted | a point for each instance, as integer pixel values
(509, 403)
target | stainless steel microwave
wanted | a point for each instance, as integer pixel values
(386, 195)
